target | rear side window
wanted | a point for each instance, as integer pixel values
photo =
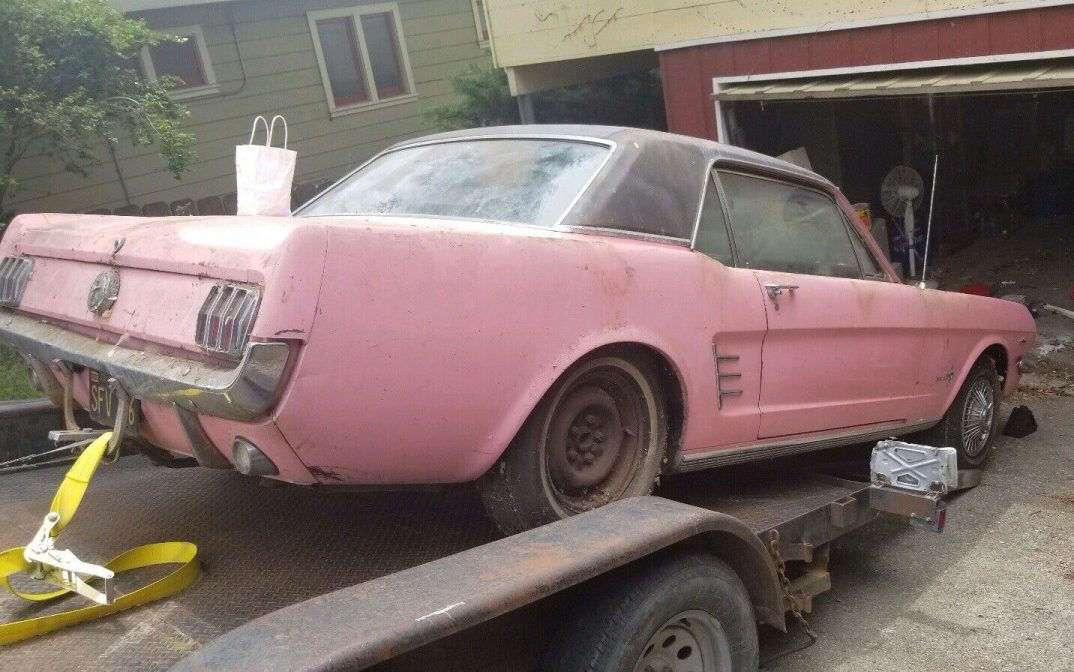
(780, 226)
(712, 237)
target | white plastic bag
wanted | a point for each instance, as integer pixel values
(263, 174)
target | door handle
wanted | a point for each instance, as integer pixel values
(775, 289)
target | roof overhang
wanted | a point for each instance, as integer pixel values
(142, 5)
(1009, 72)
(524, 79)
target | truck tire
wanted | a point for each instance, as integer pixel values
(684, 612)
(971, 423)
(597, 436)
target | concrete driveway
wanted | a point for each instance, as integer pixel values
(994, 592)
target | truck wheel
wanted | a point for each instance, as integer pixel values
(970, 424)
(690, 613)
(596, 437)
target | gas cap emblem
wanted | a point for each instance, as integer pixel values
(103, 292)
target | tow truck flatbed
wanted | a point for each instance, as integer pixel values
(264, 549)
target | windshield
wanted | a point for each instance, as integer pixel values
(510, 180)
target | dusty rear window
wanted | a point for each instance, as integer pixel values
(527, 181)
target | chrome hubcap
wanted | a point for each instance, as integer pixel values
(977, 418)
(690, 641)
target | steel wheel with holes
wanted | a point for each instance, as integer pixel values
(596, 437)
(971, 423)
(679, 613)
(690, 641)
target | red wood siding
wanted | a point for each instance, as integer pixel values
(687, 73)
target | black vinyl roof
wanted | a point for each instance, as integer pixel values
(624, 134)
(653, 181)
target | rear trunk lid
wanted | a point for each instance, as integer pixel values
(167, 268)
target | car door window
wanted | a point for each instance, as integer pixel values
(713, 238)
(779, 226)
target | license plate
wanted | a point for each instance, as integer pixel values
(104, 404)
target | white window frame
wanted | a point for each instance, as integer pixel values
(481, 41)
(355, 14)
(210, 86)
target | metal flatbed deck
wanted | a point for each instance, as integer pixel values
(266, 548)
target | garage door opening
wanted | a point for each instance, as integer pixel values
(1004, 207)
(1006, 152)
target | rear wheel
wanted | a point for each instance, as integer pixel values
(971, 422)
(688, 613)
(596, 437)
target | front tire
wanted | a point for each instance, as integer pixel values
(685, 613)
(596, 437)
(970, 424)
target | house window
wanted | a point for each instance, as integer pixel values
(186, 61)
(362, 57)
(480, 21)
(341, 61)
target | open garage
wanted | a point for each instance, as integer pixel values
(986, 98)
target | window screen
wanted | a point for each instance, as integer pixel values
(179, 59)
(379, 33)
(712, 236)
(784, 227)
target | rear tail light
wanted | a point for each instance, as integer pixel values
(225, 319)
(14, 272)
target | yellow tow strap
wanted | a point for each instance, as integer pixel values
(65, 503)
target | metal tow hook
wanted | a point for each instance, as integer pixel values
(123, 408)
(79, 436)
(68, 394)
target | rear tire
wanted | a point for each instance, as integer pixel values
(971, 423)
(596, 437)
(687, 612)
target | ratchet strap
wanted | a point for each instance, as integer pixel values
(65, 503)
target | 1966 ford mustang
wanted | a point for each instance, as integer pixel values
(560, 314)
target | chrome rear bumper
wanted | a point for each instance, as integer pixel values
(240, 393)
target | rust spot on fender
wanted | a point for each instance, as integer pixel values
(325, 474)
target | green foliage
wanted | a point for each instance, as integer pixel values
(634, 99)
(68, 78)
(14, 377)
(485, 100)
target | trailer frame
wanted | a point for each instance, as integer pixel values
(759, 529)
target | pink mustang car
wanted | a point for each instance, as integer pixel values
(560, 314)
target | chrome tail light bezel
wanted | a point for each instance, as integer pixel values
(14, 276)
(226, 319)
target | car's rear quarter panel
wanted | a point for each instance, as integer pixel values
(166, 268)
(433, 343)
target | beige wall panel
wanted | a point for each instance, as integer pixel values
(539, 31)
